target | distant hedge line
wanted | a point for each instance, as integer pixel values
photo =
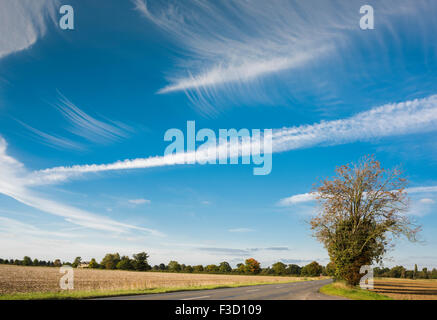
(139, 262)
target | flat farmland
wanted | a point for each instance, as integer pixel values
(20, 279)
(407, 289)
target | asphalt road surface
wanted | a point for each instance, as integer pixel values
(304, 290)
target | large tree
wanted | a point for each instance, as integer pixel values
(362, 210)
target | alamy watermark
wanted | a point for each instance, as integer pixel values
(367, 21)
(67, 280)
(67, 20)
(366, 281)
(227, 147)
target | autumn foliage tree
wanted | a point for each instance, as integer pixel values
(252, 266)
(362, 210)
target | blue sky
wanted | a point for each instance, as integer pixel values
(75, 104)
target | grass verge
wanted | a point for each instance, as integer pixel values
(68, 295)
(342, 290)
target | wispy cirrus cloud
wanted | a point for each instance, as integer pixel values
(298, 198)
(82, 127)
(139, 201)
(241, 230)
(228, 48)
(427, 201)
(13, 183)
(394, 119)
(52, 140)
(88, 127)
(23, 22)
(429, 189)
(232, 44)
(13, 226)
(240, 252)
(242, 40)
(303, 261)
(311, 196)
(419, 205)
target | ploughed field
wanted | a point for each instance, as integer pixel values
(407, 289)
(20, 279)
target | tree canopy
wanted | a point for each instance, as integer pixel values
(362, 210)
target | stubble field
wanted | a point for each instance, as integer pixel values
(407, 289)
(20, 279)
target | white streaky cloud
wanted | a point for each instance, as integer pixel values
(12, 226)
(298, 198)
(311, 196)
(410, 117)
(242, 73)
(23, 22)
(241, 230)
(139, 201)
(429, 189)
(421, 207)
(13, 184)
(427, 201)
(88, 127)
(414, 116)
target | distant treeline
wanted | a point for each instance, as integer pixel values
(139, 262)
(401, 272)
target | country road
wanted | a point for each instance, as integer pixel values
(304, 290)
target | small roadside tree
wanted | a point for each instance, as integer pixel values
(267, 271)
(397, 272)
(57, 263)
(93, 264)
(76, 262)
(27, 261)
(198, 268)
(362, 211)
(312, 270)
(212, 268)
(162, 267)
(424, 274)
(224, 267)
(140, 261)
(110, 261)
(279, 268)
(294, 269)
(240, 268)
(125, 264)
(174, 266)
(330, 269)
